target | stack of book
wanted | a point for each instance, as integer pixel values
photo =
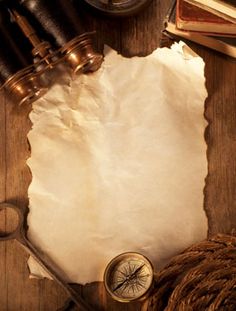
(211, 23)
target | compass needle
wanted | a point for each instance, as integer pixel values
(118, 286)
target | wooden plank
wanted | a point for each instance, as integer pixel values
(3, 280)
(17, 181)
(16, 290)
(22, 292)
(107, 29)
(141, 35)
(221, 137)
(51, 295)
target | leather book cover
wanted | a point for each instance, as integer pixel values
(192, 18)
(226, 9)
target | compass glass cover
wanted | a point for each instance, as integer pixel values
(129, 278)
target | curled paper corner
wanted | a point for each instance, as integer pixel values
(36, 271)
(184, 50)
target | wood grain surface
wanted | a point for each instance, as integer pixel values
(138, 35)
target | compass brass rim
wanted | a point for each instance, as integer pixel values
(111, 268)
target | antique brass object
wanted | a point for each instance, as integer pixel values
(44, 56)
(129, 277)
(81, 55)
(61, 23)
(17, 74)
(19, 234)
(24, 87)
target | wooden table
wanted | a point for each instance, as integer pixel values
(133, 36)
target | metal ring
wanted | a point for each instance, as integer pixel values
(17, 231)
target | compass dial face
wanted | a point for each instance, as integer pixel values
(128, 277)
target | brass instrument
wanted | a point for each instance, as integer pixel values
(68, 44)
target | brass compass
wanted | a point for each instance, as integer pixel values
(118, 7)
(129, 277)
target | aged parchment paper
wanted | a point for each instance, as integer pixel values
(118, 163)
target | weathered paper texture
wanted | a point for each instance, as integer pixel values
(118, 163)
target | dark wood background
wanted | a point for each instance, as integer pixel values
(132, 36)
